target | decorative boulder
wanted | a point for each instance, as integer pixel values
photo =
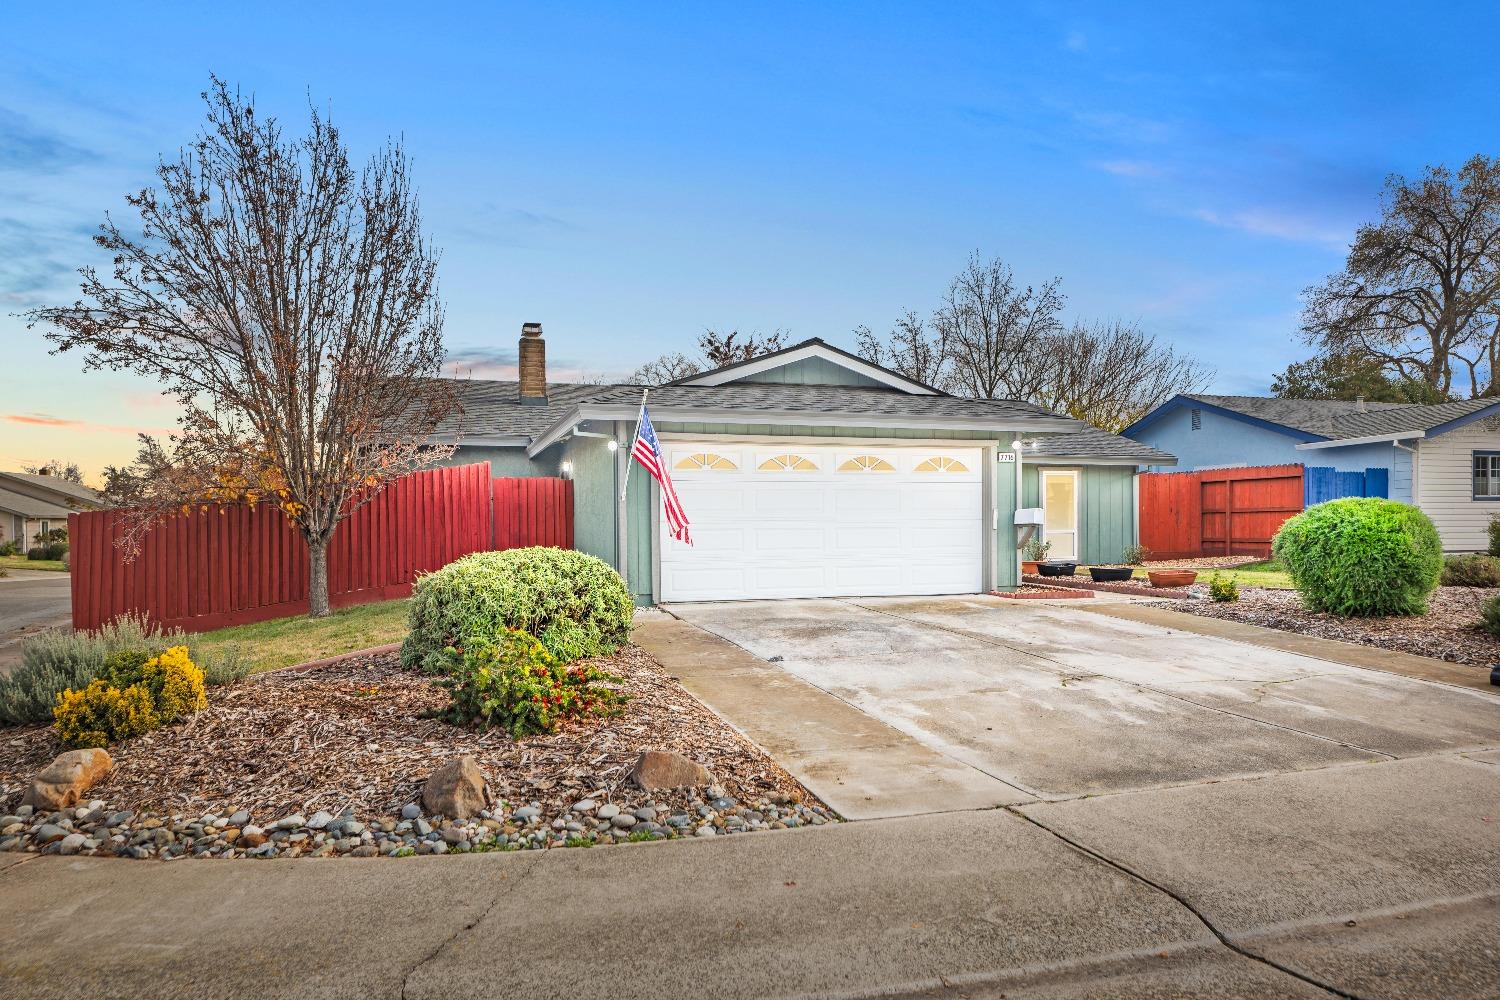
(457, 789)
(662, 769)
(62, 783)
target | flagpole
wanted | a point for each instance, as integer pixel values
(622, 519)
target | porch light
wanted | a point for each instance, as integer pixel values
(567, 470)
(613, 445)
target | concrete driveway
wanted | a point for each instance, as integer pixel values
(1059, 702)
(30, 600)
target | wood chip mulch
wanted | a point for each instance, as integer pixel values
(1448, 631)
(1204, 562)
(1086, 583)
(353, 735)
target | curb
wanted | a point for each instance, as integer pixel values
(389, 647)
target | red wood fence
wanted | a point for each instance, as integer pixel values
(206, 571)
(1216, 512)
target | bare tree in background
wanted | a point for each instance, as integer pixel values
(1111, 374)
(909, 350)
(1420, 291)
(716, 350)
(68, 473)
(289, 303)
(996, 331)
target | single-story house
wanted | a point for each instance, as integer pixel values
(809, 472)
(1444, 458)
(32, 504)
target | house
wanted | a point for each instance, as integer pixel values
(808, 472)
(1444, 458)
(32, 504)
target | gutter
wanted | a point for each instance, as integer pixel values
(1371, 439)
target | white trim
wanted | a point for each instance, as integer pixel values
(1085, 460)
(1041, 495)
(1371, 439)
(771, 362)
(484, 440)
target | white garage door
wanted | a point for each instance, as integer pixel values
(798, 520)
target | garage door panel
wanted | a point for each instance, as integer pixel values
(770, 534)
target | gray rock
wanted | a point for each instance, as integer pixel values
(453, 835)
(646, 813)
(440, 847)
(706, 831)
(353, 828)
(584, 805)
(423, 827)
(411, 811)
(239, 818)
(71, 844)
(609, 811)
(49, 832)
(624, 821)
(526, 813)
(320, 820)
(290, 822)
(25, 812)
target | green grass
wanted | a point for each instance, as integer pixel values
(21, 562)
(1269, 574)
(288, 641)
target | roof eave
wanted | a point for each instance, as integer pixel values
(1368, 439)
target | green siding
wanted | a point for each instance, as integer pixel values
(1006, 563)
(1105, 508)
(505, 462)
(812, 371)
(594, 492)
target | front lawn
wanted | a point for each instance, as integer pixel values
(21, 562)
(285, 642)
(1269, 574)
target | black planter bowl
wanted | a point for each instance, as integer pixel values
(1057, 568)
(1111, 574)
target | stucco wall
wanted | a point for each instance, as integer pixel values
(1225, 441)
(1445, 489)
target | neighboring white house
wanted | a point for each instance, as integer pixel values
(31, 505)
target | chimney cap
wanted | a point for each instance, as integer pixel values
(531, 329)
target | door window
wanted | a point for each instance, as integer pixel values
(1060, 514)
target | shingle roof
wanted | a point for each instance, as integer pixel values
(1338, 419)
(83, 495)
(493, 409)
(27, 506)
(1091, 442)
(1314, 416)
(779, 398)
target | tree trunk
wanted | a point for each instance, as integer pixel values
(317, 579)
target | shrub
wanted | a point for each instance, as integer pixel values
(1223, 588)
(55, 550)
(1361, 556)
(101, 714)
(1136, 554)
(59, 659)
(1473, 570)
(574, 604)
(1489, 615)
(9, 549)
(1494, 534)
(514, 683)
(1036, 550)
(137, 697)
(36, 552)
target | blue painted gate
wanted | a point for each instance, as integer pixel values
(1320, 483)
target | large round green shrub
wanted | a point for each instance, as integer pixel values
(1362, 556)
(574, 604)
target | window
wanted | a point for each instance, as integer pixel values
(941, 463)
(866, 463)
(788, 463)
(706, 460)
(1487, 475)
(1197, 419)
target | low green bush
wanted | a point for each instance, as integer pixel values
(161, 690)
(1361, 556)
(9, 549)
(1472, 570)
(1136, 554)
(513, 683)
(37, 552)
(58, 660)
(1489, 615)
(55, 550)
(574, 604)
(1223, 588)
(1494, 527)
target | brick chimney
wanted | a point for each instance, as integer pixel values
(533, 365)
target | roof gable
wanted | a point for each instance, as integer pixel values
(812, 362)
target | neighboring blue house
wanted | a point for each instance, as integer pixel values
(1444, 458)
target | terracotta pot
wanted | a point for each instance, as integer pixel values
(1171, 577)
(1028, 568)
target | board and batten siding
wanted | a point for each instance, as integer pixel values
(812, 371)
(1106, 508)
(1445, 485)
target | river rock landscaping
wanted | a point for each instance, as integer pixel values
(333, 761)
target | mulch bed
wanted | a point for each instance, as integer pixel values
(352, 736)
(1446, 632)
(1203, 562)
(1086, 583)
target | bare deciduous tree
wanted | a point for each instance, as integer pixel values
(995, 330)
(910, 350)
(716, 350)
(667, 368)
(69, 472)
(1111, 374)
(1420, 291)
(289, 303)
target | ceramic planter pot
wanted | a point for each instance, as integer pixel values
(1057, 568)
(1028, 567)
(1171, 577)
(1111, 574)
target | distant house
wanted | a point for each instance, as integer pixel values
(1444, 458)
(810, 472)
(31, 504)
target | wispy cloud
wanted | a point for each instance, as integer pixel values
(24, 145)
(1279, 224)
(35, 259)
(1131, 168)
(65, 423)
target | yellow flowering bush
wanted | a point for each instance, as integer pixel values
(136, 698)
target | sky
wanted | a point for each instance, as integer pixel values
(629, 178)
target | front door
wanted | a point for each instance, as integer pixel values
(1060, 513)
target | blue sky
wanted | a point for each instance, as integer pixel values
(628, 179)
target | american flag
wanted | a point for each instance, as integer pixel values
(647, 451)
